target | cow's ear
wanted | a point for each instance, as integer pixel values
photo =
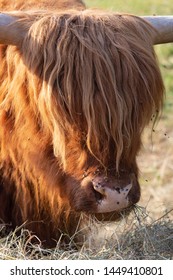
(12, 29)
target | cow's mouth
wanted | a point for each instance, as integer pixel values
(99, 195)
(110, 194)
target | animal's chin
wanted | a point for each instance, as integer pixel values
(115, 215)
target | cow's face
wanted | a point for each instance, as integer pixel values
(98, 86)
(95, 186)
(98, 94)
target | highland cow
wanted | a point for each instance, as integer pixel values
(77, 88)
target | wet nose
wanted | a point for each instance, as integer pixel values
(110, 196)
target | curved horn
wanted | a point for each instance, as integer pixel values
(11, 31)
(164, 26)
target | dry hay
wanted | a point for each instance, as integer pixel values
(136, 237)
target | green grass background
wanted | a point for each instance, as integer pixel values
(164, 52)
(138, 7)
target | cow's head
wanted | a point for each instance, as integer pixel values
(99, 86)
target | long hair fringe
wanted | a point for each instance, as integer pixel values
(100, 75)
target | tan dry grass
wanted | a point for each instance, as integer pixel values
(135, 237)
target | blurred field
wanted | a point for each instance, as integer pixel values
(147, 233)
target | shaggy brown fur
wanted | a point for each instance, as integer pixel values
(75, 96)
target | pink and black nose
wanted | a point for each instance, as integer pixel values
(113, 194)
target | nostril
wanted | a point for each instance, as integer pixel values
(98, 196)
(134, 194)
(99, 191)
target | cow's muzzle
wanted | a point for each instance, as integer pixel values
(113, 194)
